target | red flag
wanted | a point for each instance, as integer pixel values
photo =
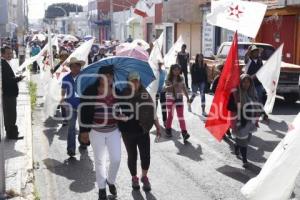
(218, 118)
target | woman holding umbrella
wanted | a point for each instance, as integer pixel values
(135, 130)
(98, 124)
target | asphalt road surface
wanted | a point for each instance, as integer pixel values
(201, 169)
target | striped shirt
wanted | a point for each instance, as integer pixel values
(104, 120)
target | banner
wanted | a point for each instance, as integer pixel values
(242, 16)
(277, 179)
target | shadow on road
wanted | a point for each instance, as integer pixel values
(281, 107)
(234, 173)
(137, 195)
(9, 150)
(79, 171)
(276, 127)
(256, 148)
(52, 130)
(188, 149)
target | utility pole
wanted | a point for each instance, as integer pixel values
(111, 13)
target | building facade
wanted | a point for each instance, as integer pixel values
(183, 18)
(14, 19)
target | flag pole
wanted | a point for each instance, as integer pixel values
(50, 48)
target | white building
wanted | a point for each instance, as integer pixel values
(78, 24)
(120, 24)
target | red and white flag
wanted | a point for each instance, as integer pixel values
(268, 75)
(218, 120)
(242, 16)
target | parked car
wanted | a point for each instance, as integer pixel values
(288, 85)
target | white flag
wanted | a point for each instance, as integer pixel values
(154, 58)
(171, 56)
(81, 53)
(276, 180)
(52, 98)
(268, 75)
(242, 16)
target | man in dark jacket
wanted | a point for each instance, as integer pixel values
(183, 59)
(253, 64)
(10, 91)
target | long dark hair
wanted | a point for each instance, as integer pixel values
(197, 60)
(170, 75)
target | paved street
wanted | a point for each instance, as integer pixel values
(201, 169)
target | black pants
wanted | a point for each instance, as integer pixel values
(243, 151)
(185, 74)
(35, 67)
(10, 116)
(132, 142)
(162, 99)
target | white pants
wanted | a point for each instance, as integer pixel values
(99, 142)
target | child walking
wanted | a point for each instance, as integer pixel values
(245, 102)
(175, 89)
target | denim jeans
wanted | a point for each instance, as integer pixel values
(260, 93)
(71, 143)
(199, 87)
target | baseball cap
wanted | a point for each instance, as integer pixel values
(133, 76)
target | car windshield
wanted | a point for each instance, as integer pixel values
(266, 53)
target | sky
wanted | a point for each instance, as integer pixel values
(37, 7)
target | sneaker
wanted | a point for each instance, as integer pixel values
(246, 165)
(185, 136)
(102, 194)
(71, 153)
(135, 183)
(146, 184)
(169, 132)
(112, 189)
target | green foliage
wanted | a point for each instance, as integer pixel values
(56, 10)
(33, 93)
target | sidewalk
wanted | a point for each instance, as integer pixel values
(18, 154)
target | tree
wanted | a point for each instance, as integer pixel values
(57, 9)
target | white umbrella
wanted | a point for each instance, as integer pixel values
(70, 38)
(141, 43)
(39, 37)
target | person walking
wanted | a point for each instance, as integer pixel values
(199, 80)
(175, 89)
(135, 131)
(99, 125)
(161, 93)
(253, 64)
(70, 101)
(244, 100)
(10, 92)
(183, 59)
(35, 50)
